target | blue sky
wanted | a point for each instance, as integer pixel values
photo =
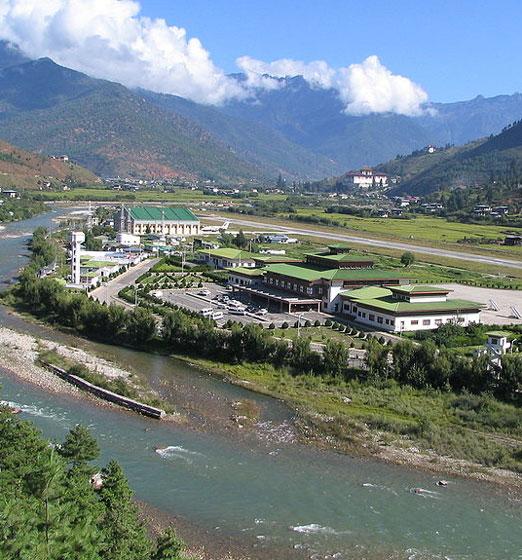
(453, 49)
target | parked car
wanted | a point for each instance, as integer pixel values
(207, 312)
(217, 315)
(237, 311)
(204, 292)
(262, 311)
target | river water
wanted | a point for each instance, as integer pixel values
(281, 499)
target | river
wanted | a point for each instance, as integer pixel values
(279, 498)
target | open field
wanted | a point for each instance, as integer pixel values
(425, 229)
(497, 263)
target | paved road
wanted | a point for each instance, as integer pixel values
(460, 255)
(108, 292)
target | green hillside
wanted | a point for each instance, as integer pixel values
(496, 159)
(108, 128)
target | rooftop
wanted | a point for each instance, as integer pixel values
(418, 289)
(229, 253)
(339, 257)
(391, 305)
(368, 292)
(156, 214)
(247, 271)
(311, 274)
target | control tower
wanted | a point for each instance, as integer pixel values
(77, 238)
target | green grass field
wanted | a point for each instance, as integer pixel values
(422, 228)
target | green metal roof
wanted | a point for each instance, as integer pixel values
(501, 334)
(229, 253)
(419, 289)
(391, 305)
(263, 258)
(247, 271)
(158, 214)
(311, 274)
(339, 257)
(368, 292)
(98, 264)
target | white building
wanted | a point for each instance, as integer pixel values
(127, 239)
(409, 307)
(227, 258)
(366, 178)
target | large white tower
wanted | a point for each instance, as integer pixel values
(77, 238)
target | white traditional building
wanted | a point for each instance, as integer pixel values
(409, 307)
(366, 178)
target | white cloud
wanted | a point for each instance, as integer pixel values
(258, 73)
(368, 87)
(110, 39)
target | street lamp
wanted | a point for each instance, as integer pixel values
(299, 324)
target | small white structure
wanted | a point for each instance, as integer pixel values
(77, 238)
(497, 345)
(127, 239)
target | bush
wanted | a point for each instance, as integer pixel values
(317, 323)
(328, 323)
(271, 326)
(284, 325)
(308, 324)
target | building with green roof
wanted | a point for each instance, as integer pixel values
(227, 257)
(157, 220)
(408, 307)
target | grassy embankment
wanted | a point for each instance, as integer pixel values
(361, 417)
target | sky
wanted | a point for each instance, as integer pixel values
(378, 56)
(454, 49)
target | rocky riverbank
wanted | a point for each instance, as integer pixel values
(19, 354)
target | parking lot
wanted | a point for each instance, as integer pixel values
(219, 299)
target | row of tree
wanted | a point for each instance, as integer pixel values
(418, 365)
(51, 510)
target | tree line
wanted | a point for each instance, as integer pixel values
(51, 510)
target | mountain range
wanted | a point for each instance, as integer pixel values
(297, 130)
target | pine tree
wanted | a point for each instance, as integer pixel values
(125, 536)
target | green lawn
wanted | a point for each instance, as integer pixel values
(421, 228)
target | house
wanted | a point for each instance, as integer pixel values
(169, 221)
(227, 258)
(127, 239)
(410, 307)
(482, 210)
(366, 178)
(10, 193)
(513, 240)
